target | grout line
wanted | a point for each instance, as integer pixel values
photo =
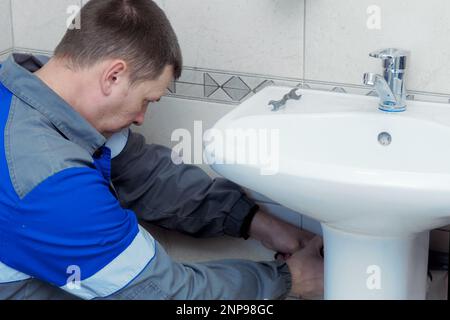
(304, 40)
(33, 51)
(243, 74)
(7, 51)
(184, 97)
(11, 21)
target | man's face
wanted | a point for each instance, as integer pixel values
(126, 105)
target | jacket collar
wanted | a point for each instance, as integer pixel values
(16, 74)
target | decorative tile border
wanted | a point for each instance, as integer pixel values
(234, 87)
(218, 86)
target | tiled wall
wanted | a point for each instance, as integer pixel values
(38, 25)
(6, 40)
(234, 48)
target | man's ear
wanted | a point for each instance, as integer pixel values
(114, 73)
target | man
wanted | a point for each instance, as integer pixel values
(68, 214)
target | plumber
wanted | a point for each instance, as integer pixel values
(76, 181)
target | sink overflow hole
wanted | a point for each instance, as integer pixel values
(384, 139)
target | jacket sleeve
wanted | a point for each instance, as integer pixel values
(178, 197)
(234, 279)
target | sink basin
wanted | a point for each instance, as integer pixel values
(378, 182)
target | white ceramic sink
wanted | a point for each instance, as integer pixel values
(322, 156)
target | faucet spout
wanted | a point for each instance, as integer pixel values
(388, 100)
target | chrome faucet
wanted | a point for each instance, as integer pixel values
(391, 85)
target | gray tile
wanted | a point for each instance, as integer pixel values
(210, 84)
(236, 89)
(262, 85)
(189, 90)
(221, 95)
(172, 87)
(339, 89)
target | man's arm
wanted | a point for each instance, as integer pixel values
(216, 280)
(178, 197)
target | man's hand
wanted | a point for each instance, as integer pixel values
(278, 235)
(306, 267)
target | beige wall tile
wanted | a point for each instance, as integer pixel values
(6, 41)
(253, 36)
(337, 40)
(40, 24)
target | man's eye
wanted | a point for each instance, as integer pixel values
(153, 101)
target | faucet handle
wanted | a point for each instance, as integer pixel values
(393, 58)
(369, 78)
(389, 53)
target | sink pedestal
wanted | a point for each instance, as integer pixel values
(359, 266)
